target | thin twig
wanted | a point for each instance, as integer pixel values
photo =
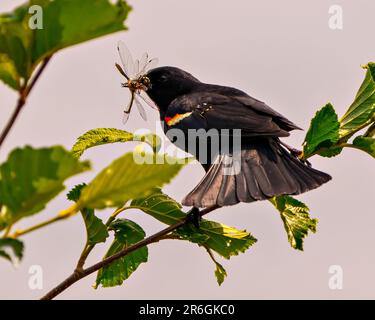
(79, 274)
(64, 214)
(22, 232)
(89, 247)
(370, 131)
(24, 93)
(7, 231)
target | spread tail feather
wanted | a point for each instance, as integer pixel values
(264, 170)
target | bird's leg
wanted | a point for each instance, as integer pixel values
(193, 216)
(294, 152)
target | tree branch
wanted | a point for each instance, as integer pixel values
(24, 93)
(79, 274)
(89, 247)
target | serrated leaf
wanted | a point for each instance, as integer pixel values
(296, 219)
(323, 131)
(363, 107)
(366, 144)
(11, 249)
(30, 178)
(126, 233)
(125, 179)
(160, 206)
(226, 241)
(96, 230)
(220, 272)
(102, 136)
(64, 23)
(75, 192)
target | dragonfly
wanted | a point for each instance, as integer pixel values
(135, 73)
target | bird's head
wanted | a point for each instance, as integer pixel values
(168, 83)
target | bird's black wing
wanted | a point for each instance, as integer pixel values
(261, 107)
(210, 110)
(254, 104)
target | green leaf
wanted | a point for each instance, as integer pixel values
(8, 72)
(126, 179)
(363, 107)
(30, 178)
(15, 37)
(75, 192)
(96, 230)
(64, 23)
(323, 131)
(11, 249)
(366, 144)
(331, 151)
(295, 216)
(226, 241)
(220, 272)
(160, 206)
(102, 136)
(126, 233)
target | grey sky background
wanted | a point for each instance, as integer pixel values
(281, 52)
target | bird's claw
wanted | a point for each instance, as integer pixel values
(297, 153)
(307, 162)
(194, 217)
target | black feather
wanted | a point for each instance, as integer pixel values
(267, 170)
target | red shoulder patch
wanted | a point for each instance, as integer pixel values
(167, 119)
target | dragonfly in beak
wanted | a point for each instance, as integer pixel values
(135, 73)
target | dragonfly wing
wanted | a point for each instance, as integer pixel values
(143, 95)
(136, 67)
(152, 63)
(126, 59)
(142, 64)
(140, 108)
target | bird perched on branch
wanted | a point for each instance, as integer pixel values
(267, 167)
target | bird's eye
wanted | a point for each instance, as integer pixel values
(163, 78)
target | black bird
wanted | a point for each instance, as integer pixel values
(267, 167)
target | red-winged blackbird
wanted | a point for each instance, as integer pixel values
(267, 168)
